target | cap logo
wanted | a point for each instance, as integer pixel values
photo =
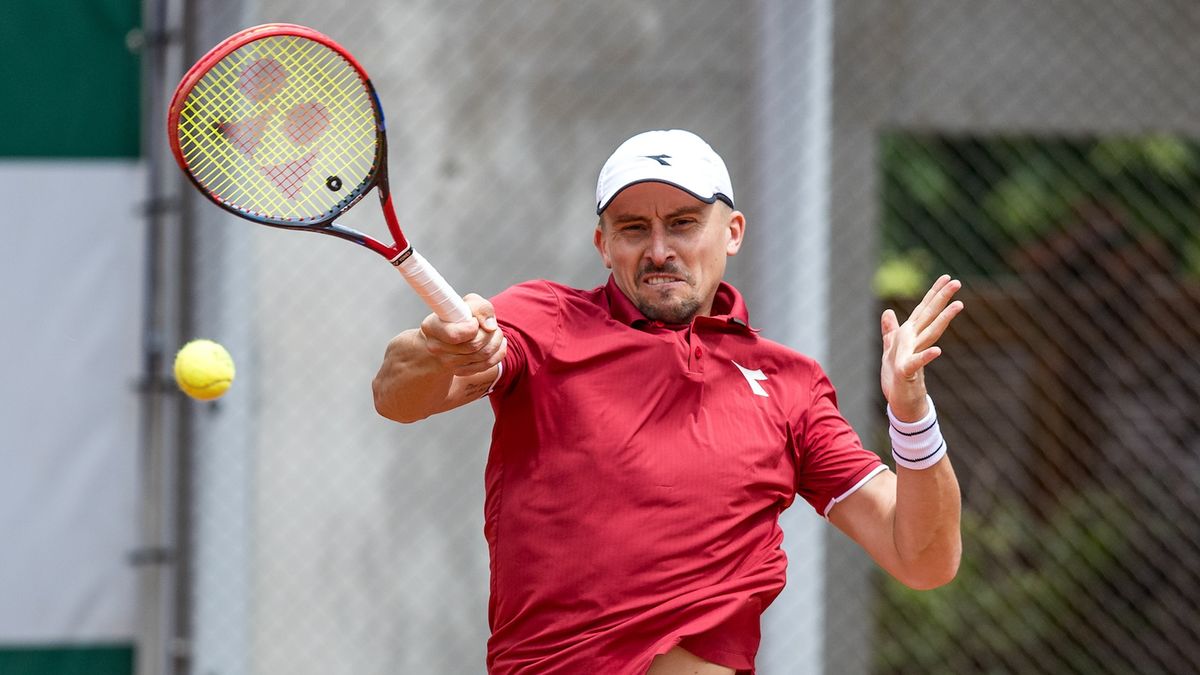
(661, 159)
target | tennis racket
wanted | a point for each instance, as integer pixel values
(280, 125)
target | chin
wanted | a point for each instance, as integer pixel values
(679, 311)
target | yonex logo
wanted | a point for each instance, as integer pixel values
(753, 377)
(661, 159)
(306, 123)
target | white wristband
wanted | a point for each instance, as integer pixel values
(916, 445)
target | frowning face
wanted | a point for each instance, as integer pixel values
(667, 249)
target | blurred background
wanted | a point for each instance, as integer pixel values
(1043, 152)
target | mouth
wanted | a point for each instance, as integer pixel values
(659, 280)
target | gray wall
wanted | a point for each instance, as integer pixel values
(364, 538)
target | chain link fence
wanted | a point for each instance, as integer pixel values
(1070, 388)
(1073, 399)
(1043, 152)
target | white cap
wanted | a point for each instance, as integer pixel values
(675, 157)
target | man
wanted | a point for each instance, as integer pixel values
(647, 439)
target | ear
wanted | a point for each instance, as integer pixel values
(602, 245)
(737, 229)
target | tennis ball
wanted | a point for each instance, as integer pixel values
(203, 369)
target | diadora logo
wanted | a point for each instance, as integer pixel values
(753, 377)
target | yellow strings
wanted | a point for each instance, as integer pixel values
(241, 150)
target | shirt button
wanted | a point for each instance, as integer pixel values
(698, 352)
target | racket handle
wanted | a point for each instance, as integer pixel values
(433, 289)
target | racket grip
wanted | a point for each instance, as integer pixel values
(433, 288)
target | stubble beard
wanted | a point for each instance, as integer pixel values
(680, 312)
(669, 309)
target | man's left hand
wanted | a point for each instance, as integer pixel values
(909, 347)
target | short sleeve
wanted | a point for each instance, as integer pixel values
(831, 462)
(529, 314)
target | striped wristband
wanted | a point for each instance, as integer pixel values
(917, 445)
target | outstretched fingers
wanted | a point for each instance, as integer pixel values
(935, 300)
(916, 339)
(888, 325)
(914, 363)
(933, 332)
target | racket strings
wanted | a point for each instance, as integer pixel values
(283, 127)
(286, 172)
(262, 80)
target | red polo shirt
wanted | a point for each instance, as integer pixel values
(636, 476)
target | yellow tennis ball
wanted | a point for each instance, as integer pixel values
(203, 369)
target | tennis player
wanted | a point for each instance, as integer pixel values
(647, 438)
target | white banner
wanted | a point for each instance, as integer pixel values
(70, 297)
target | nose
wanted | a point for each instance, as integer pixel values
(659, 251)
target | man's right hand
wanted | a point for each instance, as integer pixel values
(441, 365)
(466, 348)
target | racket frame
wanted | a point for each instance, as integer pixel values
(395, 253)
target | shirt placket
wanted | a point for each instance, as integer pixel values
(695, 350)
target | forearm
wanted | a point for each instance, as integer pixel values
(922, 544)
(926, 529)
(411, 384)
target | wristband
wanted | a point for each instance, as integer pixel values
(916, 445)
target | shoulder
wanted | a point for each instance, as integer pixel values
(544, 287)
(532, 315)
(541, 295)
(526, 296)
(785, 359)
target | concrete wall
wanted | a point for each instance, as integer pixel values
(363, 537)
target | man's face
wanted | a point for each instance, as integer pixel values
(667, 249)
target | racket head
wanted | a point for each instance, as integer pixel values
(281, 125)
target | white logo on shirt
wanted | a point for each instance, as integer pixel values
(753, 377)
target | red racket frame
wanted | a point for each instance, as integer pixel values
(377, 178)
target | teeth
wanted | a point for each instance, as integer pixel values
(657, 281)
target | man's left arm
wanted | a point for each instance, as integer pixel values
(908, 521)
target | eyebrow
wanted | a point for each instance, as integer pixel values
(683, 211)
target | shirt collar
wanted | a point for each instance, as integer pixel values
(728, 308)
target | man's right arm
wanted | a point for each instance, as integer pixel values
(439, 366)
